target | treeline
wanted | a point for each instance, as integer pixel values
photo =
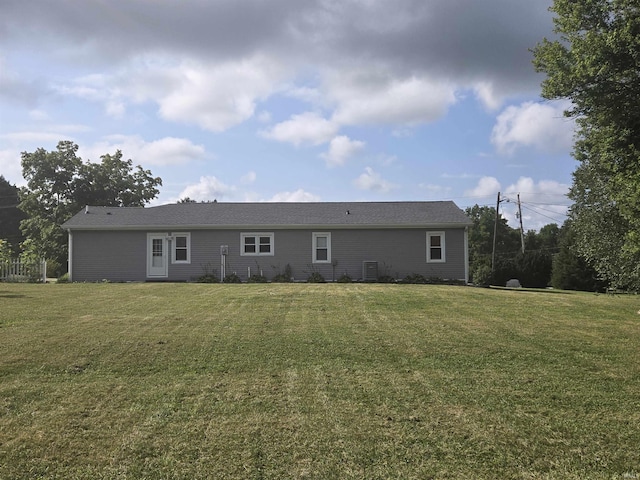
(60, 184)
(549, 257)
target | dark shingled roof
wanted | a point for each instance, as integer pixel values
(272, 215)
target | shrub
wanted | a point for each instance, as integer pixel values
(481, 276)
(415, 278)
(386, 279)
(54, 269)
(209, 274)
(316, 277)
(257, 279)
(344, 278)
(5, 251)
(63, 278)
(232, 278)
(208, 278)
(285, 277)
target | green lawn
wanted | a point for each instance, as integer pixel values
(331, 381)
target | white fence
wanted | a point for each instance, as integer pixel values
(21, 271)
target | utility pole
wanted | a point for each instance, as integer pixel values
(521, 228)
(495, 234)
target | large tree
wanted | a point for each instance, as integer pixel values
(571, 271)
(59, 184)
(595, 63)
(481, 242)
(10, 215)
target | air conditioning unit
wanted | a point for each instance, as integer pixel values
(369, 271)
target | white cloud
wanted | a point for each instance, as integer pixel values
(373, 97)
(487, 186)
(249, 177)
(543, 202)
(217, 97)
(298, 196)
(99, 88)
(308, 127)
(115, 108)
(12, 144)
(373, 181)
(527, 187)
(40, 137)
(485, 91)
(341, 149)
(164, 151)
(306, 94)
(10, 166)
(209, 188)
(386, 160)
(542, 126)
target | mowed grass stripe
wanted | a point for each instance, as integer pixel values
(316, 381)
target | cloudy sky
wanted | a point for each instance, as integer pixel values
(290, 100)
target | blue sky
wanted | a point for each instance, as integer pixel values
(284, 100)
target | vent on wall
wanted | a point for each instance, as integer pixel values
(369, 271)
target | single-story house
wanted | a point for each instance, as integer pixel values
(181, 242)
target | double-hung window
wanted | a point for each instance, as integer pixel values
(435, 247)
(181, 248)
(322, 248)
(256, 244)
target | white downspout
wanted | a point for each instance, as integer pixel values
(70, 256)
(466, 255)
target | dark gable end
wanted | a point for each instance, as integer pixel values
(220, 215)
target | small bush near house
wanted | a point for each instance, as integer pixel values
(208, 278)
(63, 278)
(316, 277)
(257, 279)
(232, 278)
(209, 275)
(415, 279)
(285, 277)
(386, 279)
(344, 278)
(54, 269)
(481, 276)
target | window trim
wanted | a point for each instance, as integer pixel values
(441, 235)
(174, 247)
(256, 236)
(314, 254)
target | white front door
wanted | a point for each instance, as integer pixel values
(157, 255)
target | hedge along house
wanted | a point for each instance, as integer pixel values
(181, 242)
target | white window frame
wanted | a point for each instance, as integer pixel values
(443, 258)
(257, 236)
(317, 235)
(174, 247)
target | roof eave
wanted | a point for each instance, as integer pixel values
(266, 227)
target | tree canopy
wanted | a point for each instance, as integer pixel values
(60, 184)
(10, 215)
(595, 63)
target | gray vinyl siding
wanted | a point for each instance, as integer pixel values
(113, 256)
(122, 255)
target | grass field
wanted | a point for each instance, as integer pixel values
(334, 381)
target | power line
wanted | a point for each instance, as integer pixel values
(546, 216)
